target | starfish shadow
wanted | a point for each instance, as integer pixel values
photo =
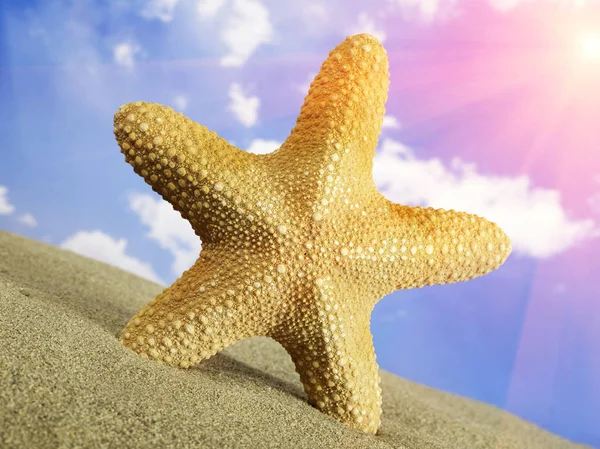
(244, 374)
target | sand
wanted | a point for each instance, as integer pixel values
(66, 381)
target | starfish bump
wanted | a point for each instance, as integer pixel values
(298, 245)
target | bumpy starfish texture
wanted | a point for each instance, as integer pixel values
(298, 245)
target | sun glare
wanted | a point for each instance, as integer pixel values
(588, 46)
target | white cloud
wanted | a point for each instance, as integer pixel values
(102, 247)
(207, 9)
(366, 24)
(244, 108)
(168, 229)
(159, 9)
(28, 220)
(124, 54)
(263, 146)
(180, 102)
(5, 207)
(389, 121)
(425, 10)
(532, 217)
(247, 26)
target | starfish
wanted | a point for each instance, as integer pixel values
(298, 245)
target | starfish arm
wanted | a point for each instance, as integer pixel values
(333, 353)
(343, 112)
(207, 309)
(193, 169)
(435, 246)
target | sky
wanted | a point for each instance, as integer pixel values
(493, 109)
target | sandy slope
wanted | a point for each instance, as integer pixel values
(66, 381)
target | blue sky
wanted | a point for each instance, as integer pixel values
(492, 109)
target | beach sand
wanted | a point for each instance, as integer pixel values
(66, 381)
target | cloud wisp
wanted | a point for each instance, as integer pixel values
(124, 54)
(104, 248)
(159, 9)
(5, 207)
(244, 107)
(244, 26)
(28, 220)
(366, 24)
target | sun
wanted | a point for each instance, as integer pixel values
(588, 46)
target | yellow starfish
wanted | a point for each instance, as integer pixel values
(298, 245)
